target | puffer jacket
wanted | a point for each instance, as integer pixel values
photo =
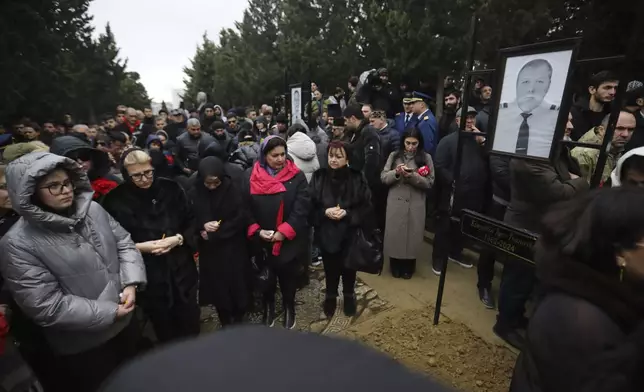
(304, 154)
(66, 273)
(188, 150)
(246, 155)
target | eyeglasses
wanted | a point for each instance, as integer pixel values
(57, 188)
(139, 176)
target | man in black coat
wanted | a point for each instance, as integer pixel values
(188, 147)
(589, 113)
(471, 192)
(635, 102)
(225, 139)
(447, 123)
(365, 145)
(135, 128)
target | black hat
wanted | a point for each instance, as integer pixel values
(353, 111)
(252, 358)
(281, 119)
(217, 125)
(338, 121)
(334, 110)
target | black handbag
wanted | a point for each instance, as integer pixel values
(262, 275)
(365, 252)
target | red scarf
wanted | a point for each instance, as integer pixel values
(262, 183)
(4, 331)
(102, 187)
(134, 127)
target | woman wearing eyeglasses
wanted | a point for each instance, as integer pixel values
(72, 270)
(409, 173)
(157, 214)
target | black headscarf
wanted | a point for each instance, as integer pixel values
(209, 202)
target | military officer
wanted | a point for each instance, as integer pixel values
(426, 121)
(526, 126)
(406, 119)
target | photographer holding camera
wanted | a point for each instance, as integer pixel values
(379, 92)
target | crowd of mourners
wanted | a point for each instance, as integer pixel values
(144, 218)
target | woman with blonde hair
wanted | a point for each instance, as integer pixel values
(157, 214)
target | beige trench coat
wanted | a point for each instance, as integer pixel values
(405, 225)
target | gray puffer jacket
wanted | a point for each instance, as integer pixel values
(66, 273)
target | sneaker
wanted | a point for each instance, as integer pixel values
(464, 264)
(510, 336)
(316, 262)
(486, 297)
(437, 267)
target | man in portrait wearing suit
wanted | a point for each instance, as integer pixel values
(526, 126)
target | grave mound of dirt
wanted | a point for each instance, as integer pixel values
(449, 352)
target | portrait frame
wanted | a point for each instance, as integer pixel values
(565, 52)
(296, 102)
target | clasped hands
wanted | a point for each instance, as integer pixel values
(159, 247)
(335, 213)
(271, 236)
(209, 227)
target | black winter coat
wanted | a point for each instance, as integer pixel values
(263, 211)
(148, 215)
(188, 148)
(223, 258)
(583, 119)
(587, 333)
(536, 187)
(365, 154)
(500, 172)
(474, 177)
(245, 156)
(348, 189)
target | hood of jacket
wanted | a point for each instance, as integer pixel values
(152, 138)
(214, 149)
(616, 175)
(301, 146)
(64, 145)
(23, 175)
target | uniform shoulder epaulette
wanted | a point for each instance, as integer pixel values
(398, 114)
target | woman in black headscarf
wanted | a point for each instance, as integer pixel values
(221, 223)
(340, 203)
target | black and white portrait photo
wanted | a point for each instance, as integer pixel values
(531, 95)
(296, 104)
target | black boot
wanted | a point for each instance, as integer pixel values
(269, 314)
(350, 306)
(329, 306)
(289, 316)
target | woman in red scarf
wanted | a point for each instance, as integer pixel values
(279, 207)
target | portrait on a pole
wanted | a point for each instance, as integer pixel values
(532, 89)
(296, 103)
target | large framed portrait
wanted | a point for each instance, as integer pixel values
(534, 84)
(296, 102)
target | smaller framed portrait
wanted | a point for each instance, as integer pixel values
(534, 99)
(296, 102)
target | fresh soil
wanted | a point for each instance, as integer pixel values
(449, 352)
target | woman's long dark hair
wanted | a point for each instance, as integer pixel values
(594, 228)
(419, 158)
